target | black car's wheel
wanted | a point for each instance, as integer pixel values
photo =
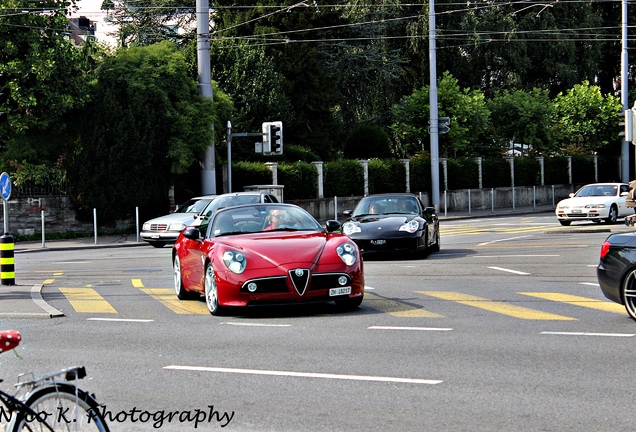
(613, 215)
(212, 292)
(628, 292)
(158, 244)
(349, 304)
(179, 290)
(565, 223)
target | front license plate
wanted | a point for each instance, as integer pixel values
(339, 291)
(576, 211)
(378, 242)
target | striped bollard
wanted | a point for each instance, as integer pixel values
(7, 262)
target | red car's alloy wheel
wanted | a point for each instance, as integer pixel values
(211, 291)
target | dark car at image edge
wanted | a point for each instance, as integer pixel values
(616, 271)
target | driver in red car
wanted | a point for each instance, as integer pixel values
(276, 219)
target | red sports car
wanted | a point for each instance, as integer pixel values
(267, 254)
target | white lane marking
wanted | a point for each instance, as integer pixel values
(305, 374)
(120, 320)
(367, 287)
(256, 324)
(588, 334)
(509, 271)
(408, 328)
(589, 283)
(514, 256)
(502, 240)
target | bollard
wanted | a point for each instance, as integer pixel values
(7, 261)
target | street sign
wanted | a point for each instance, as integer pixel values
(5, 186)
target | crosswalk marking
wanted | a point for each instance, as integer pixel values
(579, 301)
(167, 297)
(496, 306)
(396, 309)
(87, 300)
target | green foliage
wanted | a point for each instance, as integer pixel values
(386, 175)
(556, 170)
(463, 173)
(527, 171)
(469, 120)
(300, 180)
(496, 172)
(146, 122)
(250, 173)
(367, 141)
(343, 178)
(587, 120)
(420, 171)
(582, 169)
(42, 76)
(524, 118)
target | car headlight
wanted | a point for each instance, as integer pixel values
(180, 226)
(349, 228)
(146, 227)
(347, 253)
(595, 206)
(235, 261)
(410, 226)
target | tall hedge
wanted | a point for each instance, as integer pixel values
(386, 175)
(343, 178)
(300, 180)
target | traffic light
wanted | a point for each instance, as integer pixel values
(276, 138)
(443, 125)
(273, 138)
(627, 125)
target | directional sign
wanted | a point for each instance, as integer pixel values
(5, 186)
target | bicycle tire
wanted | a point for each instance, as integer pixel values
(57, 402)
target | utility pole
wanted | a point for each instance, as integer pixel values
(208, 164)
(434, 120)
(624, 92)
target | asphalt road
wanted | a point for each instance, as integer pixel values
(504, 329)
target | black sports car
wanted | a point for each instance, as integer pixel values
(616, 272)
(396, 222)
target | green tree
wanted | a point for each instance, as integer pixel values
(43, 77)
(586, 121)
(145, 124)
(525, 119)
(469, 120)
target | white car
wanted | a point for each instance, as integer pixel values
(165, 229)
(595, 202)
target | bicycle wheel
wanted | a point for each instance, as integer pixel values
(59, 409)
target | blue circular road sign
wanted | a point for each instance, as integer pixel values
(5, 186)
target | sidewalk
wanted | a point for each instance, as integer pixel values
(24, 300)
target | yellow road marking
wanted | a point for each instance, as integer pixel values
(496, 306)
(579, 301)
(48, 281)
(396, 309)
(87, 300)
(137, 283)
(168, 298)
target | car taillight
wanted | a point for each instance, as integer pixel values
(605, 247)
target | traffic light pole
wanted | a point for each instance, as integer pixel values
(625, 147)
(434, 121)
(231, 135)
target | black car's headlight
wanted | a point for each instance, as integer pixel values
(410, 227)
(347, 253)
(235, 261)
(349, 228)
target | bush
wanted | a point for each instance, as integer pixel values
(343, 178)
(300, 180)
(386, 175)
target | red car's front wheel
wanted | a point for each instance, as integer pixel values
(211, 291)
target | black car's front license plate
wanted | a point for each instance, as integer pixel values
(378, 242)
